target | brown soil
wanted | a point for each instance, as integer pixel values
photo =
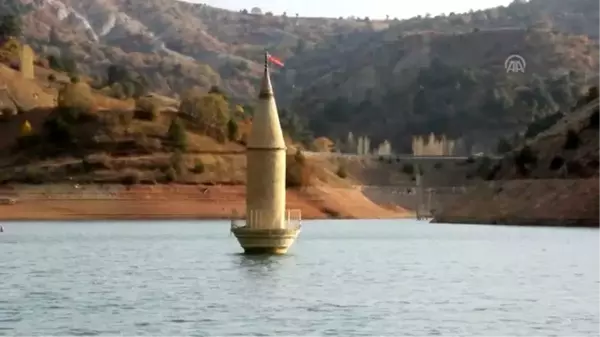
(50, 202)
(548, 202)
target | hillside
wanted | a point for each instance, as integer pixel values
(446, 74)
(388, 79)
(568, 148)
(395, 87)
(549, 179)
(342, 74)
(172, 44)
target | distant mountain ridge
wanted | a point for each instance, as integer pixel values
(221, 47)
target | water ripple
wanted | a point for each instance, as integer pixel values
(342, 278)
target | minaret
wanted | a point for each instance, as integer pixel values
(269, 227)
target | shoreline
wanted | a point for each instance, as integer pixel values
(558, 223)
(567, 203)
(176, 202)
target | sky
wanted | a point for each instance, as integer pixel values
(375, 9)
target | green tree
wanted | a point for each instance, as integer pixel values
(75, 99)
(176, 134)
(572, 140)
(232, 130)
(503, 146)
(210, 112)
(10, 25)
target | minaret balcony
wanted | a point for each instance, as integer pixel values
(263, 219)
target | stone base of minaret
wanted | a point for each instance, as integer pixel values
(268, 241)
(265, 241)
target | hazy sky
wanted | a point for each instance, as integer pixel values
(360, 8)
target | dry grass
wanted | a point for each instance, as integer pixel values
(108, 103)
(28, 93)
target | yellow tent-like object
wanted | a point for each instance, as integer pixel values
(26, 128)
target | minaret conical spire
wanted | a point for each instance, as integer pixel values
(266, 89)
(266, 130)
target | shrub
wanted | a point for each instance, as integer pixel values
(503, 146)
(525, 159)
(298, 172)
(76, 96)
(97, 162)
(556, 163)
(542, 124)
(6, 113)
(594, 118)
(342, 172)
(131, 178)
(491, 174)
(27, 141)
(177, 163)
(574, 167)
(34, 176)
(408, 169)
(592, 94)
(198, 167)
(232, 130)
(176, 135)
(145, 109)
(299, 157)
(58, 131)
(572, 141)
(170, 174)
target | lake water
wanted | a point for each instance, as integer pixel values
(341, 278)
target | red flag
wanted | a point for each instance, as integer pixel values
(275, 60)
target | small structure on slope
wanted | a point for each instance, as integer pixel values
(269, 227)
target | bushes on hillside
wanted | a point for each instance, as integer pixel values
(594, 119)
(525, 160)
(232, 130)
(210, 112)
(298, 172)
(542, 124)
(198, 167)
(75, 99)
(176, 135)
(125, 83)
(408, 169)
(146, 109)
(592, 94)
(131, 178)
(572, 140)
(556, 163)
(504, 146)
(342, 172)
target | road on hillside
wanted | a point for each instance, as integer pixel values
(398, 157)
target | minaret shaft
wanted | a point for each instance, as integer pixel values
(265, 188)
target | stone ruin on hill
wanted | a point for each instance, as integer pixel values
(26, 59)
(432, 146)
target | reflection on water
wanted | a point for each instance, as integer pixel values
(340, 278)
